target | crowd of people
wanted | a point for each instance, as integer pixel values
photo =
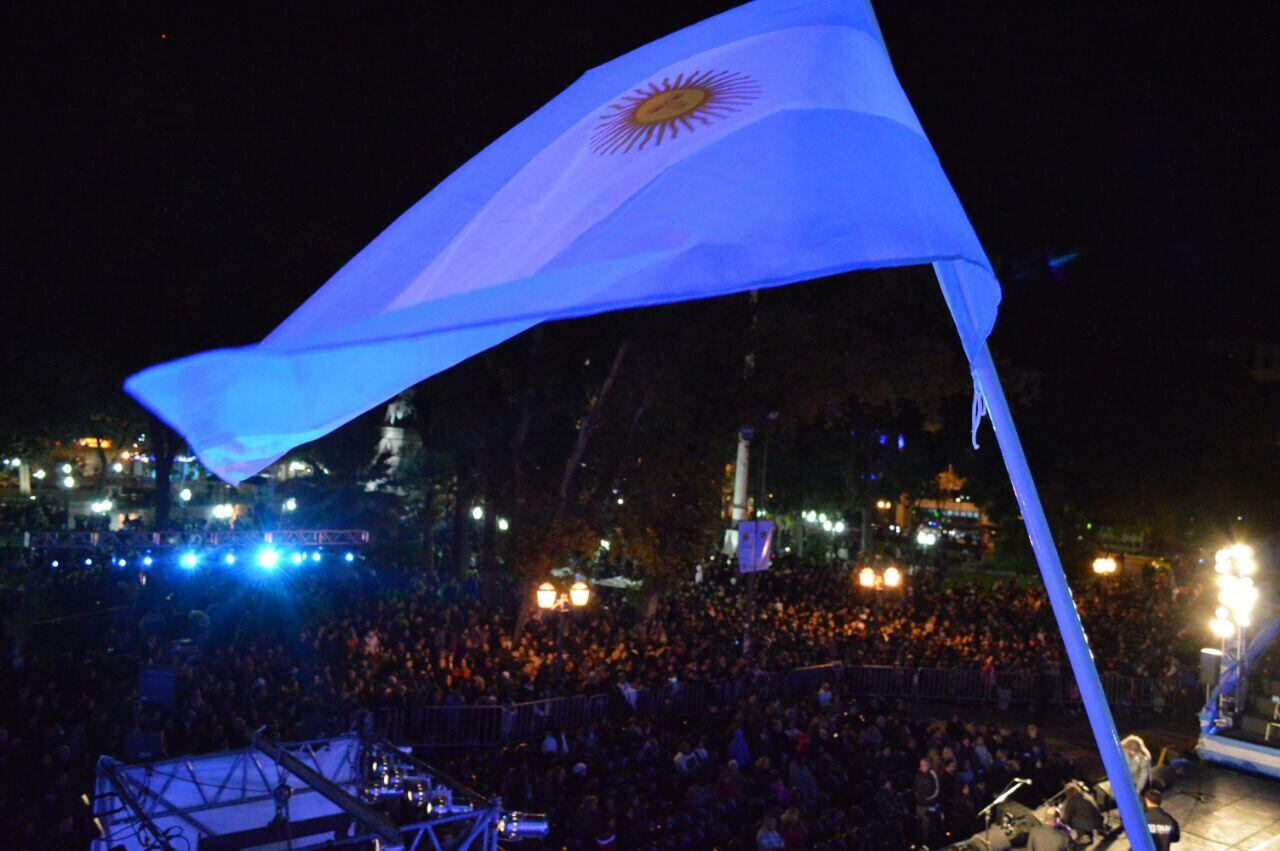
(824, 770)
(305, 653)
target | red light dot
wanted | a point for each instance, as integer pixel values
(164, 35)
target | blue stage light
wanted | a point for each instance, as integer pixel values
(297, 558)
(189, 560)
(146, 561)
(268, 558)
(122, 563)
(229, 558)
(88, 562)
(53, 563)
(315, 556)
(350, 556)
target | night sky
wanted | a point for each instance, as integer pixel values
(179, 181)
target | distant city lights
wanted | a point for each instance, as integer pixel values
(926, 537)
(503, 524)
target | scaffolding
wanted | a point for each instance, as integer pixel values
(350, 792)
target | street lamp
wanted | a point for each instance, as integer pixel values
(546, 596)
(550, 599)
(1103, 566)
(877, 581)
(1237, 595)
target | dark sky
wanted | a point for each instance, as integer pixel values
(181, 180)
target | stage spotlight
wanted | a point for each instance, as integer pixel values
(188, 560)
(147, 561)
(519, 826)
(88, 562)
(297, 558)
(315, 556)
(122, 563)
(350, 556)
(53, 563)
(268, 558)
(229, 558)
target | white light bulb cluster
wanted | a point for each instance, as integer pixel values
(1237, 593)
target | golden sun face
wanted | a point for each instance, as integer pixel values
(661, 111)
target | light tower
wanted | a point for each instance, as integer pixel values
(1237, 594)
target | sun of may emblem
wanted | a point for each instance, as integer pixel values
(661, 111)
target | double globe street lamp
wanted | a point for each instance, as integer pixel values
(551, 599)
(877, 581)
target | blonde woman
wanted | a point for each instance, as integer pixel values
(1138, 758)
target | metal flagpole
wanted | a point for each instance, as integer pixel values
(1064, 607)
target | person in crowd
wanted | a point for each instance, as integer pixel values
(767, 837)
(927, 791)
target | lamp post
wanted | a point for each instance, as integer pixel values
(1103, 566)
(1237, 594)
(551, 599)
(878, 581)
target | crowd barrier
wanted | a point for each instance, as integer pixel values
(480, 726)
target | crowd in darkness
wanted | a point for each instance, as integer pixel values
(308, 651)
(825, 770)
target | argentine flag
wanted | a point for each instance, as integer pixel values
(769, 145)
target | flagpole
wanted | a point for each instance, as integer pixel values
(1064, 607)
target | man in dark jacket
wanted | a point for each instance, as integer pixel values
(1164, 828)
(1048, 836)
(927, 791)
(1080, 814)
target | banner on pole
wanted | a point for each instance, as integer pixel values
(755, 545)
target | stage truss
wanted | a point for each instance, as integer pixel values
(349, 792)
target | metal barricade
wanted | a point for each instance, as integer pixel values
(472, 726)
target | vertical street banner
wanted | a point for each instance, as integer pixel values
(755, 545)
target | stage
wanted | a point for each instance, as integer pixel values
(1234, 811)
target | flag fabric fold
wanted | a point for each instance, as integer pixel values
(769, 145)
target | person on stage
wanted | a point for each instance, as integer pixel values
(1080, 814)
(1139, 760)
(1049, 836)
(1164, 827)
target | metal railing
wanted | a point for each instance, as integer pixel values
(478, 726)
